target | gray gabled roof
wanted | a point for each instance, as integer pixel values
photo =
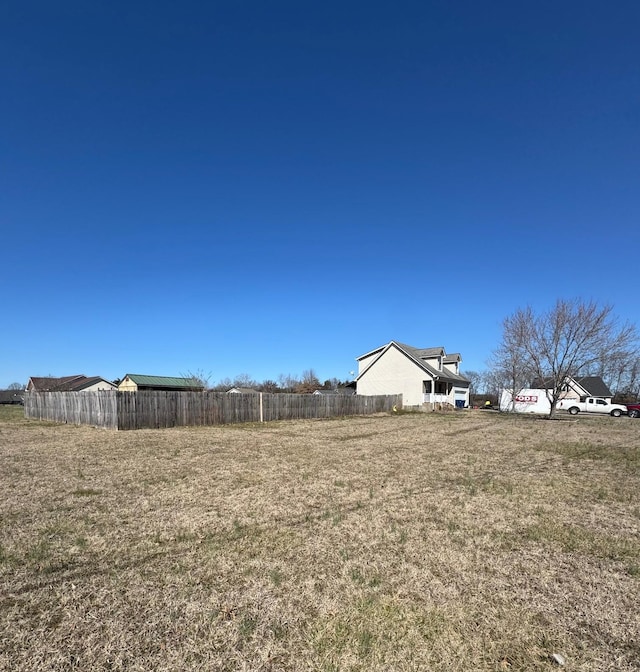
(427, 353)
(11, 396)
(373, 352)
(51, 384)
(87, 382)
(423, 352)
(65, 384)
(594, 386)
(418, 353)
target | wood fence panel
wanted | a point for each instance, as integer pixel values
(79, 408)
(155, 409)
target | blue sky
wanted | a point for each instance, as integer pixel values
(268, 187)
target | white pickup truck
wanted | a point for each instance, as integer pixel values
(592, 405)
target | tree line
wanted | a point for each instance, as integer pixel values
(306, 383)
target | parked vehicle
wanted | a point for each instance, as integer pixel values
(633, 410)
(592, 405)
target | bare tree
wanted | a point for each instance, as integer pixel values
(16, 386)
(620, 370)
(632, 383)
(244, 380)
(199, 377)
(494, 382)
(309, 382)
(475, 381)
(511, 366)
(269, 386)
(568, 340)
(223, 385)
(287, 382)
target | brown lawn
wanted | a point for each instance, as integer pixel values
(466, 541)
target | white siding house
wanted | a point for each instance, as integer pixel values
(95, 384)
(427, 378)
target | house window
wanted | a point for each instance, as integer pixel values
(427, 386)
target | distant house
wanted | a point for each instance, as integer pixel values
(133, 382)
(11, 396)
(579, 387)
(242, 390)
(93, 384)
(426, 377)
(78, 383)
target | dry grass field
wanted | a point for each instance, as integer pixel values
(463, 541)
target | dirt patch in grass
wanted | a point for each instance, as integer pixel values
(463, 541)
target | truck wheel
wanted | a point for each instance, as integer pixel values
(616, 413)
(574, 410)
(634, 413)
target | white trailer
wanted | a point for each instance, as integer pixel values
(526, 401)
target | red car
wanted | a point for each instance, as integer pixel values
(633, 410)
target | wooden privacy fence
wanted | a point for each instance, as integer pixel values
(80, 408)
(152, 410)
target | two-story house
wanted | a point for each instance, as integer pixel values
(427, 378)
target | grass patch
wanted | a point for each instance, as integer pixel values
(459, 541)
(86, 492)
(577, 539)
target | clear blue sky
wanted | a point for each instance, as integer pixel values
(268, 187)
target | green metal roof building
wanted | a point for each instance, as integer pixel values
(134, 381)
